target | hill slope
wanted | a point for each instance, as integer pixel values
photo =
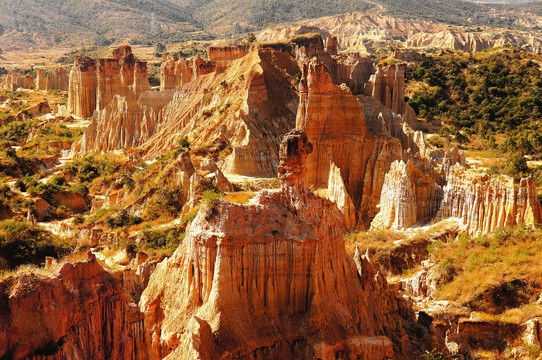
(42, 23)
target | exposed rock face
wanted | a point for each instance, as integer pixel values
(41, 80)
(367, 32)
(354, 70)
(56, 80)
(229, 53)
(287, 291)
(450, 39)
(408, 197)
(336, 192)
(109, 82)
(122, 75)
(354, 30)
(389, 87)
(73, 201)
(208, 108)
(82, 87)
(93, 84)
(78, 312)
(484, 204)
(334, 122)
(452, 157)
(14, 81)
(123, 123)
(177, 71)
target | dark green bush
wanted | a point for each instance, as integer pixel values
(21, 243)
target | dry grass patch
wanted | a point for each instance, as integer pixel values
(497, 273)
(241, 197)
(380, 240)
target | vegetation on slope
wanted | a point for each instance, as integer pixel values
(498, 274)
(76, 23)
(46, 23)
(493, 97)
(22, 243)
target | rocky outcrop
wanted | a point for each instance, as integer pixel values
(38, 109)
(229, 53)
(93, 84)
(355, 31)
(336, 192)
(450, 39)
(389, 87)
(174, 72)
(452, 157)
(73, 201)
(334, 121)
(109, 82)
(251, 103)
(41, 80)
(408, 197)
(56, 80)
(79, 311)
(123, 123)
(286, 291)
(353, 70)
(483, 203)
(178, 71)
(122, 75)
(82, 87)
(14, 81)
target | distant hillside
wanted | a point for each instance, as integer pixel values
(42, 23)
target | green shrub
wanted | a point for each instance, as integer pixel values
(122, 219)
(21, 243)
(211, 197)
(184, 143)
(162, 238)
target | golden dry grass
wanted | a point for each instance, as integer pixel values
(380, 240)
(473, 266)
(240, 197)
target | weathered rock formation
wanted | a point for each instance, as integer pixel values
(251, 103)
(41, 80)
(483, 203)
(286, 291)
(82, 87)
(122, 75)
(78, 312)
(408, 197)
(452, 157)
(334, 122)
(14, 81)
(93, 84)
(450, 39)
(56, 80)
(178, 71)
(354, 30)
(367, 32)
(389, 87)
(123, 123)
(353, 70)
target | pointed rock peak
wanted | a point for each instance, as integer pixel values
(294, 149)
(316, 79)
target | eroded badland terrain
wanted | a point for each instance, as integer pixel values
(356, 186)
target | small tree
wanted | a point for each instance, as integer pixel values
(251, 38)
(517, 165)
(159, 48)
